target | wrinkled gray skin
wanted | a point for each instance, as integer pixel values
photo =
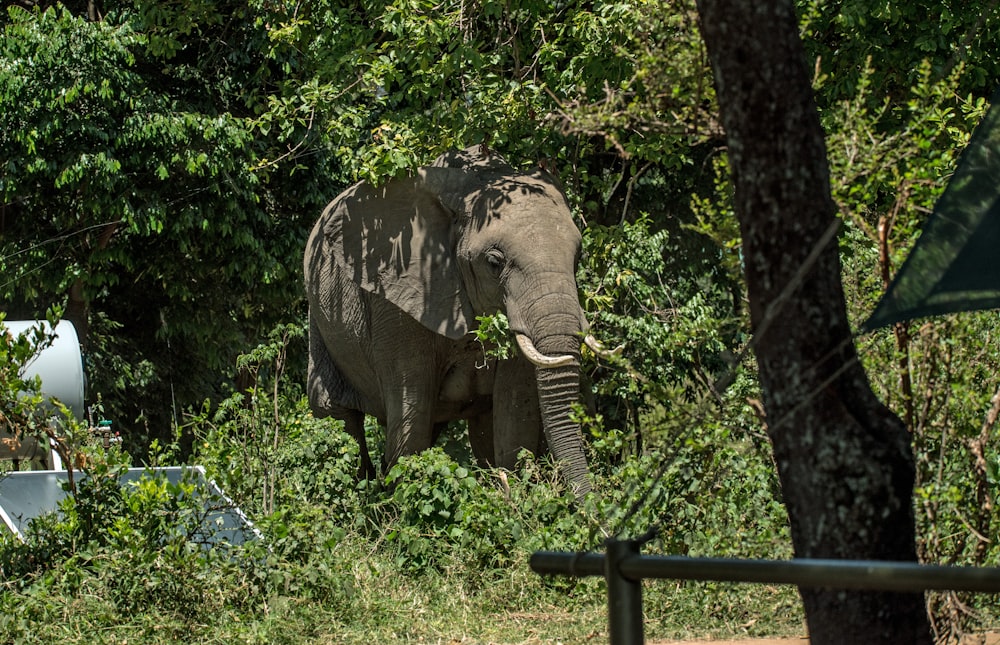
(395, 277)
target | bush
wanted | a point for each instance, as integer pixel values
(138, 547)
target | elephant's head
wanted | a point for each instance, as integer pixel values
(470, 236)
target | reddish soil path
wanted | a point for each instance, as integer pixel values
(748, 641)
(991, 638)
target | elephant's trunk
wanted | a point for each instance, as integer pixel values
(553, 321)
(558, 389)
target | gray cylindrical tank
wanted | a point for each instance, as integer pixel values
(60, 365)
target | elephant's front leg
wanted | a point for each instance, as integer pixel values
(517, 421)
(409, 424)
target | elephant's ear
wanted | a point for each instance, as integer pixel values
(396, 241)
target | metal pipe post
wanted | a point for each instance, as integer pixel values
(624, 595)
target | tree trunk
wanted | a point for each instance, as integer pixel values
(78, 312)
(844, 459)
(78, 303)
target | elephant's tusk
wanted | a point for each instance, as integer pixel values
(538, 358)
(599, 348)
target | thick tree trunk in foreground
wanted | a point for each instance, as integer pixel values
(844, 459)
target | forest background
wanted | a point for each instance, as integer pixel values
(162, 163)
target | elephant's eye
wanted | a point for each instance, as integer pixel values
(495, 258)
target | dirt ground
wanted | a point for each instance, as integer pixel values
(992, 638)
(750, 641)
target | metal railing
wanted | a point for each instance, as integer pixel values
(623, 567)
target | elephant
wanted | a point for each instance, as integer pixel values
(395, 277)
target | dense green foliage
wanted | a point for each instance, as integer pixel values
(132, 191)
(349, 564)
(160, 167)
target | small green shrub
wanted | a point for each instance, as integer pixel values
(429, 495)
(141, 546)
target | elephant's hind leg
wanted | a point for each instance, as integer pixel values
(327, 389)
(481, 439)
(355, 426)
(331, 396)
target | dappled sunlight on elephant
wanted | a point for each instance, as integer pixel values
(396, 275)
